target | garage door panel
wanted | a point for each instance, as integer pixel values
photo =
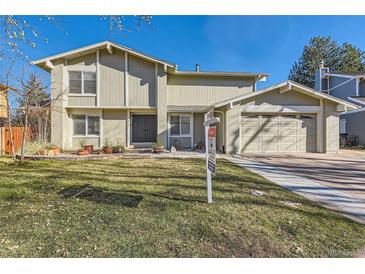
(248, 140)
(289, 131)
(289, 124)
(270, 131)
(251, 146)
(249, 131)
(269, 124)
(270, 148)
(289, 147)
(274, 133)
(250, 123)
(290, 139)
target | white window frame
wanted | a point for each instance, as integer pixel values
(191, 125)
(82, 83)
(86, 126)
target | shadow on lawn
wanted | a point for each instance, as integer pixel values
(100, 195)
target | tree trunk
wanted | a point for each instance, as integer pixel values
(24, 135)
(45, 128)
(10, 128)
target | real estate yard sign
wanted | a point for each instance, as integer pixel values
(210, 151)
(212, 132)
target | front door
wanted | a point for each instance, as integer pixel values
(144, 128)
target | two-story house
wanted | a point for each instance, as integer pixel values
(350, 87)
(108, 92)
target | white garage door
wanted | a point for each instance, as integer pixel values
(279, 133)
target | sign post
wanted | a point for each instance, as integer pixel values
(210, 151)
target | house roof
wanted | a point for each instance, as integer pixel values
(101, 45)
(357, 99)
(257, 75)
(42, 63)
(289, 84)
(355, 73)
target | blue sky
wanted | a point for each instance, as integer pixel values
(224, 43)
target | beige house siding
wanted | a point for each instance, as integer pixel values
(112, 69)
(162, 106)
(220, 131)
(81, 101)
(232, 125)
(141, 82)
(84, 60)
(291, 97)
(205, 90)
(89, 140)
(115, 126)
(331, 126)
(58, 113)
(199, 134)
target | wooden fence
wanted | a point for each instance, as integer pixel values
(17, 137)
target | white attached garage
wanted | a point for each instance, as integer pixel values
(287, 117)
(278, 133)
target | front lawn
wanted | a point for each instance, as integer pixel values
(135, 207)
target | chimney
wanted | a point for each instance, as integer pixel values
(197, 67)
(321, 65)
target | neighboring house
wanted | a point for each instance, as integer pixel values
(3, 102)
(108, 92)
(350, 87)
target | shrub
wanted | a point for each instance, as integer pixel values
(31, 148)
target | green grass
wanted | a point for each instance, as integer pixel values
(156, 208)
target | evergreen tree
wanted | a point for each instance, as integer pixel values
(344, 58)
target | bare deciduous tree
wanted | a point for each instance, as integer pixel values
(5, 80)
(17, 31)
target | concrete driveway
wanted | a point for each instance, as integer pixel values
(337, 181)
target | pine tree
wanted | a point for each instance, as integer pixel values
(344, 58)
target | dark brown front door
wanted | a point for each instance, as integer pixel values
(144, 128)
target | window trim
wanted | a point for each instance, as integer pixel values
(86, 126)
(181, 135)
(82, 83)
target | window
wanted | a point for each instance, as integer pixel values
(90, 82)
(180, 125)
(175, 125)
(82, 82)
(79, 125)
(75, 82)
(185, 125)
(85, 125)
(93, 125)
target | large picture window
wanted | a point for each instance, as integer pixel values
(180, 125)
(81, 82)
(85, 125)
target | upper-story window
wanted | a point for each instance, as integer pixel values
(82, 82)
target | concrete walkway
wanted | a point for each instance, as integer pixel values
(336, 181)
